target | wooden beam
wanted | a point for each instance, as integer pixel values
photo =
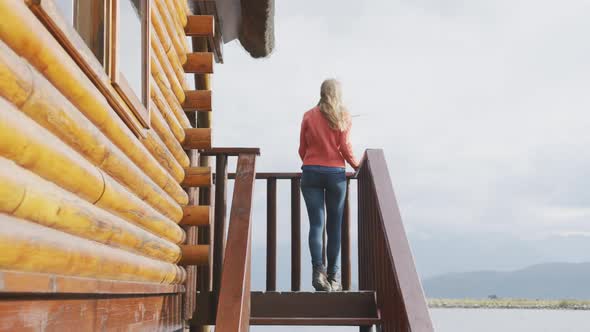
(197, 215)
(197, 100)
(199, 63)
(200, 26)
(197, 177)
(28, 282)
(197, 254)
(197, 138)
(104, 313)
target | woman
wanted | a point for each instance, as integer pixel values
(324, 148)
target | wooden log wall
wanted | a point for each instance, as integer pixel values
(82, 195)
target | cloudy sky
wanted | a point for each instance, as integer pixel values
(482, 108)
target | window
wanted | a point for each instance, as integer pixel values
(129, 61)
(109, 40)
(88, 19)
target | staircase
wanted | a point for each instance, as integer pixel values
(390, 296)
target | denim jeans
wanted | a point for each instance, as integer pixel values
(324, 185)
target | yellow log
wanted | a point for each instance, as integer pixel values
(167, 67)
(171, 30)
(171, 100)
(177, 67)
(180, 24)
(158, 98)
(161, 128)
(178, 13)
(45, 54)
(47, 204)
(164, 37)
(161, 153)
(26, 246)
(147, 190)
(117, 199)
(31, 146)
(55, 113)
(158, 24)
(16, 78)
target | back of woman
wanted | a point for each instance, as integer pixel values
(324, 148)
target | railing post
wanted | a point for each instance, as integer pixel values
(204, 273)
(220, 217)
(295, 234)
(345, 236)
(271, 234)
(233, 311)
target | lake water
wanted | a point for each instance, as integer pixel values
(487, 320)
(505, 320)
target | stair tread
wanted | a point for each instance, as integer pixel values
(314, 321)
(314, 308)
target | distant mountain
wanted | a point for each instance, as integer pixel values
(498, 252)
(542, 281)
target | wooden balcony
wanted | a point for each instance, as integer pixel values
(390, 295)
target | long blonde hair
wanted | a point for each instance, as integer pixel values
(331, 105)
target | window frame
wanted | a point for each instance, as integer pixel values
(139, 104)
(115, 88)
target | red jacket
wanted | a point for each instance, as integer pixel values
(321, 145)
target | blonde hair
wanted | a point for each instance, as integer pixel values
(331, 105)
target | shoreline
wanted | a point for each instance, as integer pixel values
(509, 304)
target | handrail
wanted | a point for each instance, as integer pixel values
(386, 264)
(283, 176)
(230, 151)
(233, 310)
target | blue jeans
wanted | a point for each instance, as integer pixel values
(327, 185)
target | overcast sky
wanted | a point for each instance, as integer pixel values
(482, 108)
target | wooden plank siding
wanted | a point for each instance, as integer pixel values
(145, 313)
(97, 233)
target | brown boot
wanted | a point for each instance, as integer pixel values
(334, 281)
(319, 279)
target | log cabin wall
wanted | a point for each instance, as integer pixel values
(93, 203)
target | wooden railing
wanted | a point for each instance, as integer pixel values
(386, 264)
(231, 289)
(271, 230)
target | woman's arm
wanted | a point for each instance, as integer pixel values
(346, 148)
(302, 142)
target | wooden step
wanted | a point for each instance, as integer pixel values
(196, 215)
(197, 100)
(200, 26)
(314, 308)
(199, 63)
